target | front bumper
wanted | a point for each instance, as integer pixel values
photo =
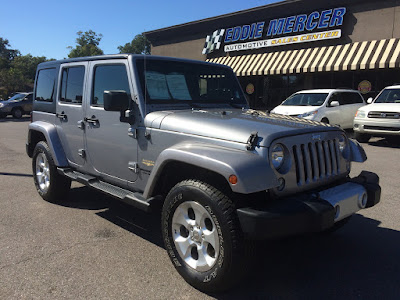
(375, 126)
(311, 212)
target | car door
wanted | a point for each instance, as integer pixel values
(333, 113)
(27, 103)
(111, 150)
(69, 111)
(352, 102)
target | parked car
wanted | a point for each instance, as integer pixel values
(332, 106)
(178, 136)
(17, 106)
(381, 118)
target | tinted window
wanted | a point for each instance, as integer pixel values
(45, 85)
(336, 97)
(389, 96)
(72, 84)
(351, 98)
(29, 97)
(106, 78)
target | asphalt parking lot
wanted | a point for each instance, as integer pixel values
(95, 248)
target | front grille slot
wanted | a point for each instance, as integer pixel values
(383, 115)
(316, 160)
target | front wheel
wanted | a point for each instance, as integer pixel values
(50, 185)
(202, 235)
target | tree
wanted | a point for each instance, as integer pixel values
(139, 45)
(6, 54)
(87, 44)
(26, 65)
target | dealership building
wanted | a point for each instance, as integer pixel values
(280, 48)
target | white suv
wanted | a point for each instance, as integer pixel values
(381, 118)
(333, 106)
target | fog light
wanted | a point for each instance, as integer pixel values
(362, 200)
(281, 182)
(337, 212)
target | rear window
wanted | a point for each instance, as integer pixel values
(45, 85)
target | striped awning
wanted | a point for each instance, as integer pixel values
(355, 56)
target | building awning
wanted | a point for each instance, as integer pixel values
(366, 55)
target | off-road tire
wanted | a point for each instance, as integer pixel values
(362, 137)
(17, 113)
(230, 253)
(58, 186)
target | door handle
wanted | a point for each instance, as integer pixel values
(61, 116)
(92, 120)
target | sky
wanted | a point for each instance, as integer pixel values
(47, 28)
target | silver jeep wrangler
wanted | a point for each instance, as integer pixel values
(178, 134)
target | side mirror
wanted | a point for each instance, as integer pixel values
(116, 101)
(334, 104)
(369, 100)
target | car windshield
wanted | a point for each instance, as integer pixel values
(183, 82)
(17, 97)
(306, 99)
(389, 96)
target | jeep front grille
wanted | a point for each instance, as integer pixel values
(316, 160)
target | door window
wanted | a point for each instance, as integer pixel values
(351, 98)
(72, 85)
(106, 78)
(336, 97)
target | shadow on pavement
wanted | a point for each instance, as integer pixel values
(11, 119)
(386, 142)
(359, 261)
(15, 174)
(133, 220)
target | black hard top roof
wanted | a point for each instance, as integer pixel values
(53, 63)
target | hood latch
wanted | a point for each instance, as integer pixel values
(251, 142)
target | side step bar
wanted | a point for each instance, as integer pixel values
(129, 197)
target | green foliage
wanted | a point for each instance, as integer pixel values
(139, 45)
(6, 54)
(17, 72)
(87, 44)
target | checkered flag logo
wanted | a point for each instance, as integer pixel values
(213, 42)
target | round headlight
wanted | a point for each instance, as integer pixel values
(342, 143)
(277, 156)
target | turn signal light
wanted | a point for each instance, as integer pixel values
(233, 179)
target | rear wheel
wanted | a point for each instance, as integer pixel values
(362, 137)
(325, 120)
(202, 235)
(17, 113)
(50, 185)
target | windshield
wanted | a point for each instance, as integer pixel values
(17, 97)
(306, 99)
(389, 96)
(183, 82)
